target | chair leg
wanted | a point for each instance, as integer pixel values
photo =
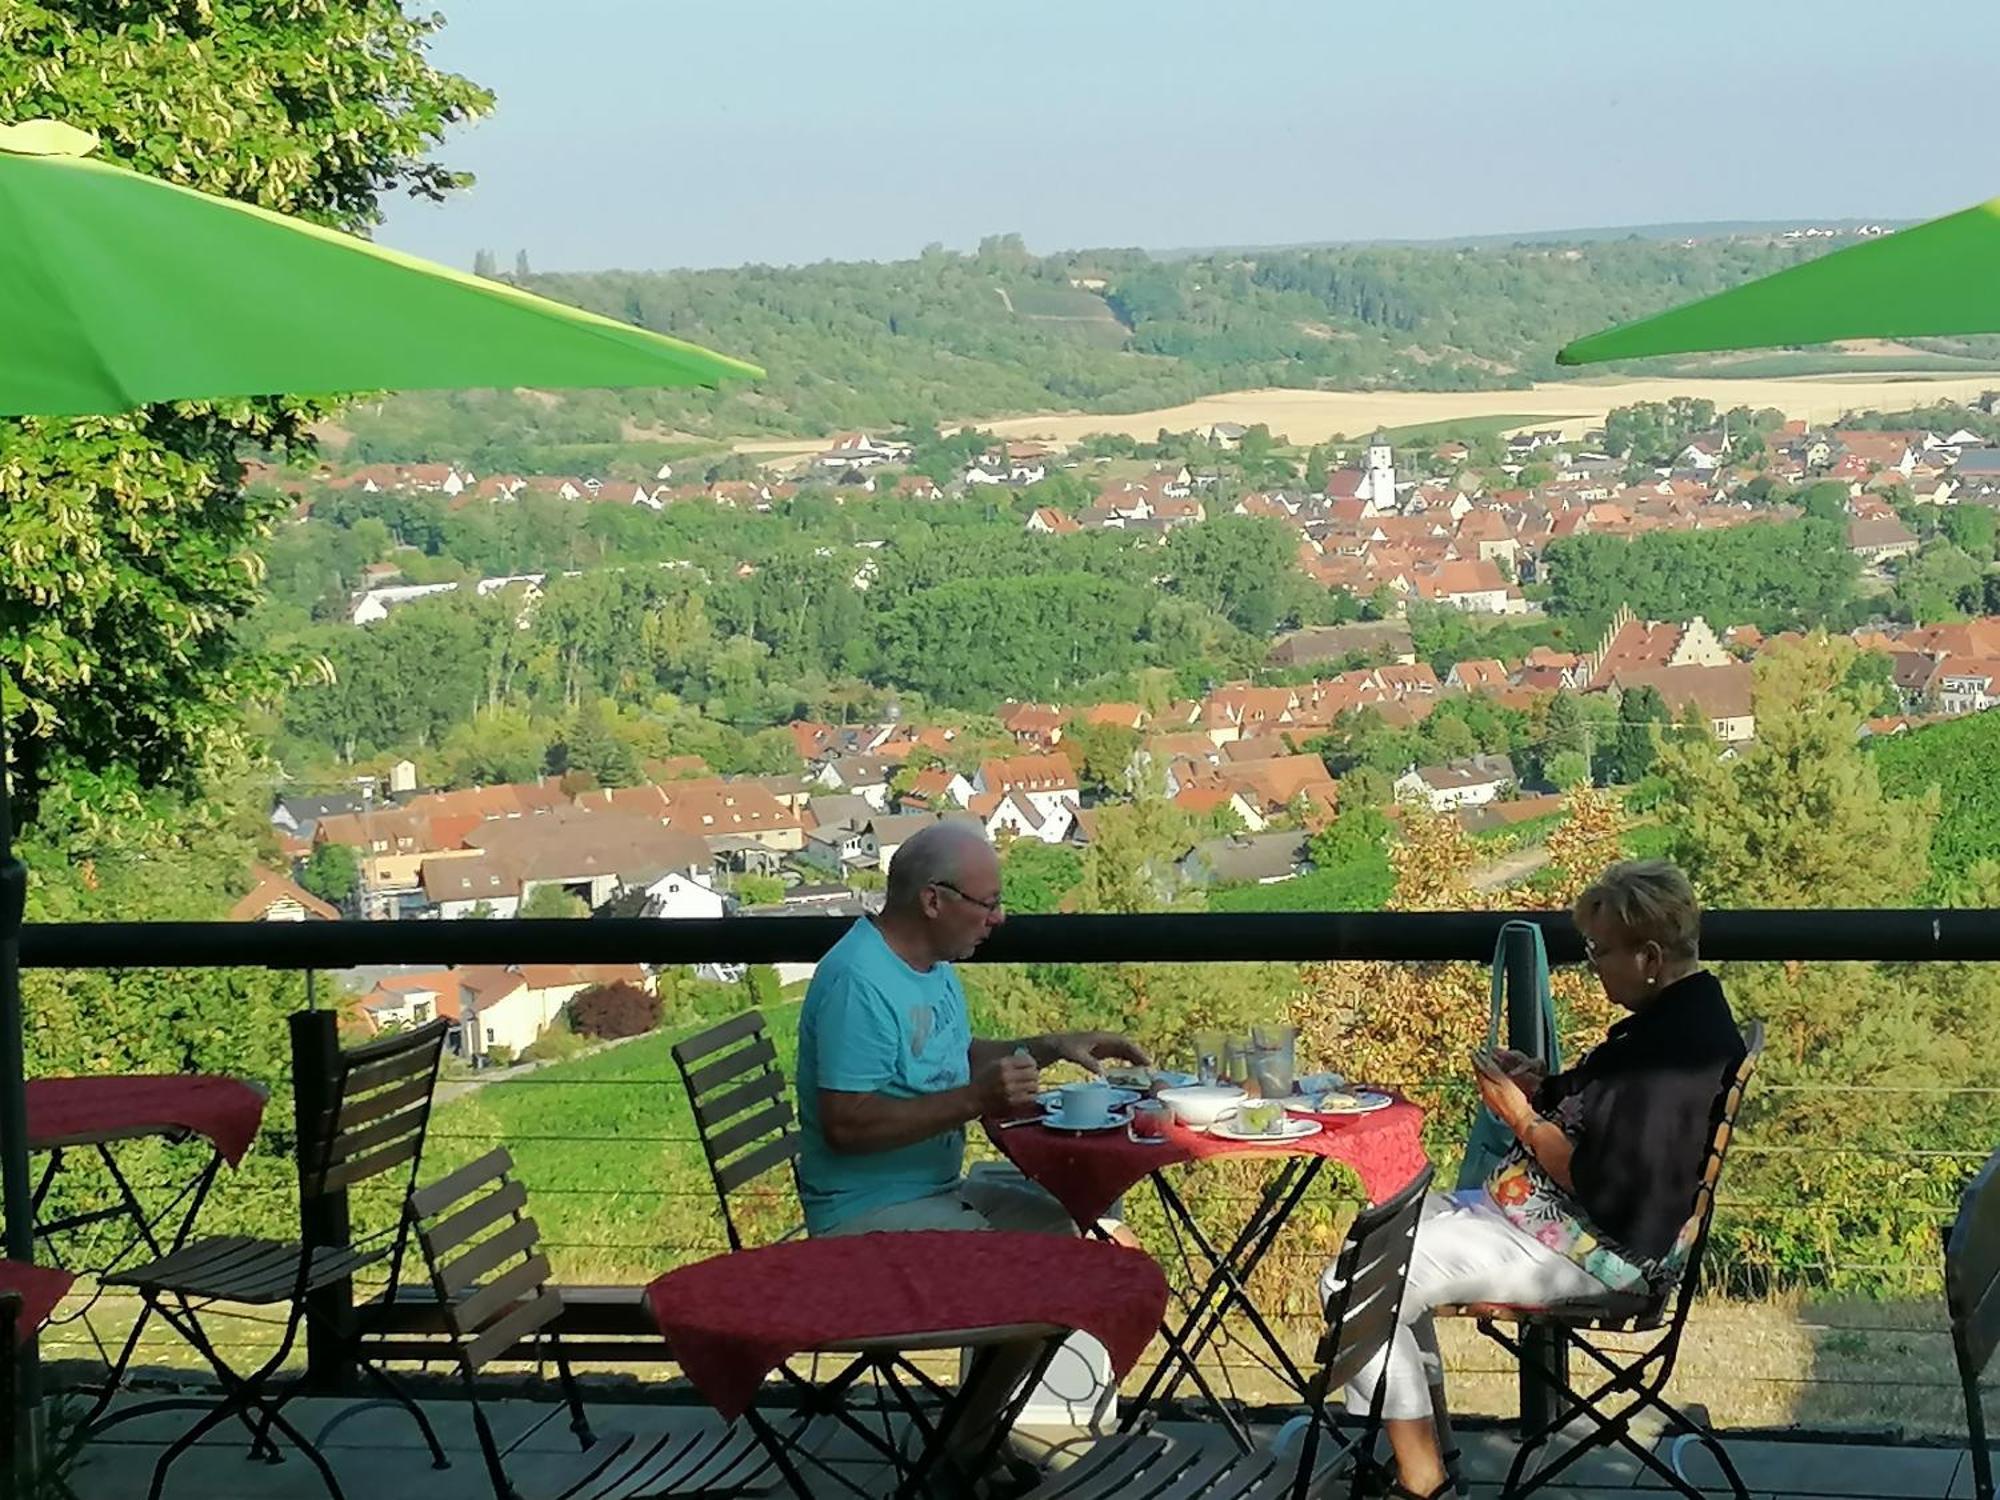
(409, 1404)
(775, 1446)
(1975, 1431)
(579, 1420)
(214, 1417)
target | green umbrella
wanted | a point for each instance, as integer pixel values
(1938, 278)
(118, 289)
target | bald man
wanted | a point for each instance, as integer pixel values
(890, 1074)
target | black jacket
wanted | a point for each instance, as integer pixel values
(1641, 1109)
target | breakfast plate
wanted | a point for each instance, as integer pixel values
(1118, 1119)
(1351, 1102)
(1290, 1129)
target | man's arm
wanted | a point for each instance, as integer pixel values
(863, 1124)
(1087, 1049)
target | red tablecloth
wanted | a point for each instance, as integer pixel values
(1089, 1173)
(734, 1319)
(64, 1111)
(41, 1288)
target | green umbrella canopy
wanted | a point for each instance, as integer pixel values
(1942, 277)
(118, 289)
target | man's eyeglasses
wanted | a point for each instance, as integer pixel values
(946, 885)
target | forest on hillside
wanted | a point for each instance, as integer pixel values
(946, 336)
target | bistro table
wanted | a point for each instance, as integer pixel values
(1088, 1172)
(734, 1319)
(97, 1112)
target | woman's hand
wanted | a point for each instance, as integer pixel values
(1529, 1072)
(1503, 1096)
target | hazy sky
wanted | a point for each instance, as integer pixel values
(650, 133)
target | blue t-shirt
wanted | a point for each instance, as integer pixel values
(874, 1025)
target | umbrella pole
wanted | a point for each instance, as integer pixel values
(20, 1214)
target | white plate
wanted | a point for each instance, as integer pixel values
(1353, 1102)
(1047, 1098)
(1118, 1120)
(1291, 1129)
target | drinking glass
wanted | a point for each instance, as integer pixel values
(1236, 1060)
(1208, 1050)
(1271, 1071)
(1149, 1121)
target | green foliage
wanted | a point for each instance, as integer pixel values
(333, 873)
(1036, 876)
(551, 901)
(128, 564)
(963, 608)
(1568, 769)
(1960, 761)
(590, 744)
(947, 336)
(759, 890)
(1939, 583)
(1633, 745)
(1356, 884)
(1800, 818)
(1971, 529)
(1655, 432)
(1780, 576)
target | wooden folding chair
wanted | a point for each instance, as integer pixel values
(1637, 1379)
(483, 1253)
(1972, 1300)
(748, 1133)
(737, 1092)
(381, 1103)
(1370, 1275)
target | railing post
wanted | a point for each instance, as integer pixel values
(23, 1412)
(322, 1218)
(1544, 1351)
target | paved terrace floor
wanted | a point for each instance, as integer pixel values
(378, 1455)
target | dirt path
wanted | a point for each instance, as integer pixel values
(1507, 870)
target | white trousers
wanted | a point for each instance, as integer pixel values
(1465, 1251)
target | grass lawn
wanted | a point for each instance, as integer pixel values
(606, 1147)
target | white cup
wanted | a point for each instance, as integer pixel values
(1085, 1104)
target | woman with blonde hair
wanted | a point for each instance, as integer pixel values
(1607, 1160)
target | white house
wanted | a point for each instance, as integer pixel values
(372, 605)
(1047, 783)
(678, 895)
(1969, 687)
(1461, 783)
(1018, 815)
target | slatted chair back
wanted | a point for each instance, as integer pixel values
(379, 1115)
(1702, 1219)
(1369, 1276)
(1972, 1301)
(483, 1253)
(738, 1094)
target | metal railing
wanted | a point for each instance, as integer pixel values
(615, 1323)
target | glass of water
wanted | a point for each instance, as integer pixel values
(1208, 1050)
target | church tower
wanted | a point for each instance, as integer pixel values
(1381, 474)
